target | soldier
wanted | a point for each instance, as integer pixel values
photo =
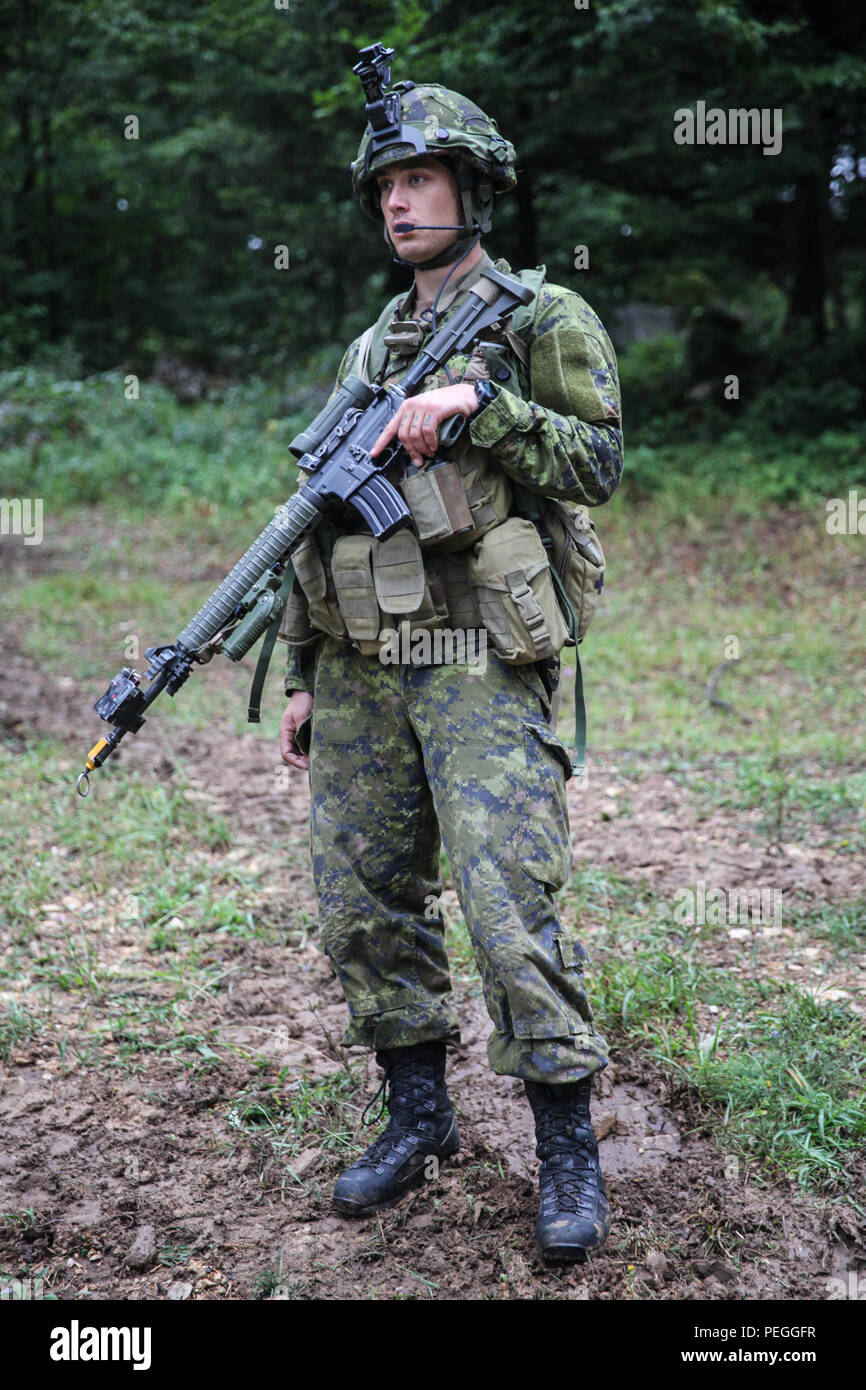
(405, 755)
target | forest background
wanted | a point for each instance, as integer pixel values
(176, 205)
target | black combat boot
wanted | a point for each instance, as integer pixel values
(422, 1125)
(573, 1215)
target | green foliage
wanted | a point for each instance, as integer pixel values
(248, 117)
(751, 466)
(84, 441)
(654, 380)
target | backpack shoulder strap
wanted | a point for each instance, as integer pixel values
(362, 367)
(372, 353)
(524, 314)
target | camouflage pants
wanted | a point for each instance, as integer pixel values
(400, 754)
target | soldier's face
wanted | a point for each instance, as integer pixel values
(419, 191)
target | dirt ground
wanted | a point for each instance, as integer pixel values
(141, 1187)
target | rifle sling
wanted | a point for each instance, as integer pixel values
(267, 650)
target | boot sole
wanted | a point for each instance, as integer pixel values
(450, 1144)
(572, 1254)
(564, 1255)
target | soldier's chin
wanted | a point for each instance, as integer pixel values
(419, 249)
(413, 248)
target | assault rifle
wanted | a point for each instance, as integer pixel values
(334, 451)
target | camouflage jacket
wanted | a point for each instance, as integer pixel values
(561, 436)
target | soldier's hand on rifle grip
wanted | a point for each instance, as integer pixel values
(299, 708)
(417, 422)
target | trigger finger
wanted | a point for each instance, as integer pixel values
(387, 434)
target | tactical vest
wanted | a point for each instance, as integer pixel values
(477, 560)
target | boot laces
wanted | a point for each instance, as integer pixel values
(570, 1179)
(410, 1102)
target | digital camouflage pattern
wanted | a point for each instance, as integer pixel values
(564, 437)
(399, 754)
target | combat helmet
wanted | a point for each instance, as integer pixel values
(426, 118)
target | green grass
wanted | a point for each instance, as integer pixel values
(272, 1282)
(286, 1116)
(24, 1219)
(686, 588)
(123, 915)
(791, 799)
(17, 1026)
(782, 1073)
(789, 1073)
(171, 1255)
(155, 852)
(843, 925)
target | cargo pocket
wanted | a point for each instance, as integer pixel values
(514, 592)
(560, 1008)
(550, 1026)
(543, 844)
(364, 1004)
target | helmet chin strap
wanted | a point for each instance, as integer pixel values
(453, 252)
